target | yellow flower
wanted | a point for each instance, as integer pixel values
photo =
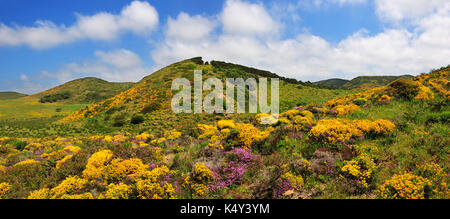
(96, 164)
(117, 191)
(404, 186)
(4, 188)
(226, 124)
(26, 162)
(61, 162)
(70, 185)
(201, 173)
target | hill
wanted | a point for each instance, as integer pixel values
(84, 90)
(367, 82)
(332, 83)
(10, 95)
(361, 82)
(152, 95)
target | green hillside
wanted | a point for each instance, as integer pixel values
(10, 95)
(332, 83)
(361, 82)
(84, 90)
(366, 82)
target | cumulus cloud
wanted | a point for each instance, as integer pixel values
(118, 65)
(407, 9)
(240, 17)
(398, 50)
(137, 17)
(189, 28)
(121, 58)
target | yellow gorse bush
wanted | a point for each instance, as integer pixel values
(86, 195)
(361, 169)
(119, 170)
(341, 130)
(4, 188)
(26, 162)
(61, 162)
(345, 109)
(226, 124)
(437, 176)
(295, 180)
(335, 131)
(70, 185)
(149, 187)
(201, 173)
(247, 133)
(405, 186)
(425, 93)
(116, 191)
(302, 123)
(96, 164)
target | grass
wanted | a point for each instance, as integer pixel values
(24, 108)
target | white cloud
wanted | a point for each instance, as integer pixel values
(399, 50)
(189, 28)
(118, 65)
(240, 17)
(407, 9)
(120, 58)
(138, 17)
(24, 77)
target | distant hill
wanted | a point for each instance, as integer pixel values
(332, 83)
(84, 90)
(361, 82)
(10, 95)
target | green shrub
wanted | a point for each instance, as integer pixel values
(120, 120)
(443, 117)
(151, 107)
(19, 145)
(137, 119)
(360, 101)
(55, 97)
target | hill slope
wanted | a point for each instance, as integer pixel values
(10, 95)
(332, 83)
(361, 82)
(84, 90)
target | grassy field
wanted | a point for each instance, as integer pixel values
(23, 108)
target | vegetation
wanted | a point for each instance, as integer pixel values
(55, 97)
(10, 95)
(387, 142)
(359, 83)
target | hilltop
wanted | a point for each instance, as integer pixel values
(360, 82)
(7, 95)
(84, 90)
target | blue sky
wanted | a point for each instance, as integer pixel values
(48, 42)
